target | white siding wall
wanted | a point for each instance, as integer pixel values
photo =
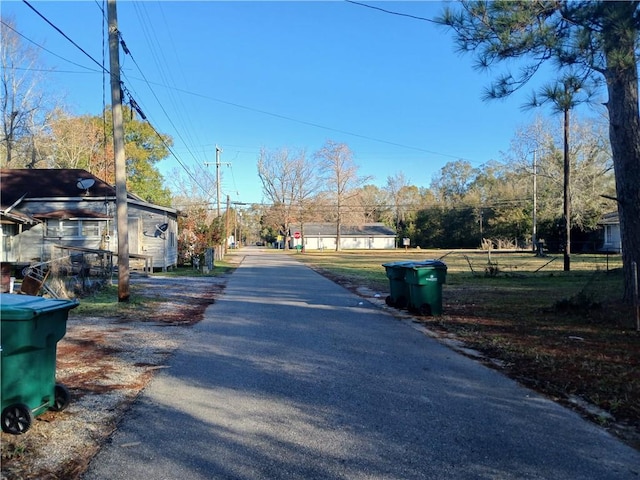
(350, 243)
(612, 240)
(34, 243)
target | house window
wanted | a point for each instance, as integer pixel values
(75, 228)
(62, 228)
(92, 228)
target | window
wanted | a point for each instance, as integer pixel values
(62, 228)
(92, 228)
(75, 228)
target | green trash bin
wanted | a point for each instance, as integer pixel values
(398, 290)
(31, 328)
(424, 281)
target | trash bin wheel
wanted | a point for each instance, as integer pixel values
(401, 302)
(425, 309)
(16, 419)
(389, 301)
(62, 398)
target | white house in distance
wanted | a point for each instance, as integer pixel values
(612, 240)
(322, 236)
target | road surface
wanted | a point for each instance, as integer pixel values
(290, 376)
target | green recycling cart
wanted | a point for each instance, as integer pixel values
(398, 290)
(30, 330)
(424, 280)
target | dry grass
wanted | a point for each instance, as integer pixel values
(564, 334)
(108, 355)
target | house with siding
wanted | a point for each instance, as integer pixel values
(323, 236)
(610, 222)
(44, 211)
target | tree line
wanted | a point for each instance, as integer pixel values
(491, 205)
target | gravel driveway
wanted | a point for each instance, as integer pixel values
(105, 362)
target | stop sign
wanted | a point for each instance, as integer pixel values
(296, 234)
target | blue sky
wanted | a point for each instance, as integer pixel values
(246, 75)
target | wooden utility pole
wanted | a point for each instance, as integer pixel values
(120, 160)
(218, 150)
(226, 225)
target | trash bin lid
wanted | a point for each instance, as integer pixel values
(26, 307)
(431, 264)
(402, 263)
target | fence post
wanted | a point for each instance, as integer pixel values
(635, 294)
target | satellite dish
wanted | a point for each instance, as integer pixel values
(161, 229)
(85, 184)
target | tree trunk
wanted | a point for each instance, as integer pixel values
(567, 195)
(624, 135)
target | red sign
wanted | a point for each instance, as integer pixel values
(296, 234)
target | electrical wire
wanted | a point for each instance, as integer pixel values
(276, 115)
(50, 52)
(135, 106)
(272, 114)
(63, 34)
(132, 102)
(158, 54)
(415, 17)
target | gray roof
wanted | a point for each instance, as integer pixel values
(610, 218)
(24, 184)
(49, 183)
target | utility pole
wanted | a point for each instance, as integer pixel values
(120, 160)
(218, 150)
(218, 164)
(226, 225)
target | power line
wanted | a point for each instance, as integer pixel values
(415, 17)
(159, 53)
(48, 51)
(311, 124)
(244, 107)
(132, 102)
(63, 34)
(128, 52)
(263, 112)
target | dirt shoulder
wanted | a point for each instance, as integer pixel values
(105, 362)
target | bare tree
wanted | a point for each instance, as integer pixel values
(307, 184)
(373, 204)
(403, 197)
(592, 179)
(22, 104)
(289, 181)
(342, 178)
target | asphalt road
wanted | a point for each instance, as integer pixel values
(291, 376)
